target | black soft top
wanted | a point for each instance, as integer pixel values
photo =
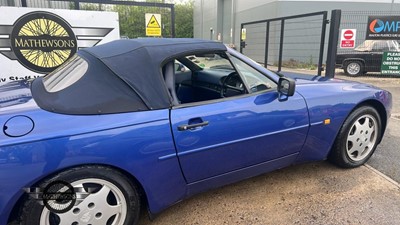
(123, 76)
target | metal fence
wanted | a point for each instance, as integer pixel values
(366, 55)
(287, 42)
(131, 13)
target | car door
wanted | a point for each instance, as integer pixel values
(220, 136)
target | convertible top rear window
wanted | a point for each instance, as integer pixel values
(65, 75)
(85, 86)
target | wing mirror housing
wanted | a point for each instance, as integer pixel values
(286, 86)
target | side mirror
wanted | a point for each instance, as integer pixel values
(286, 86)
(179, 67)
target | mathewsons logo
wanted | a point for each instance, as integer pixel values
(34, 42)
(42, 41)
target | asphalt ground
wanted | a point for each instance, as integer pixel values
(314, 193)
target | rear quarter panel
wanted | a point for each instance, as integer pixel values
(135, 143)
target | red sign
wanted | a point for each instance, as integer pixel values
(347, 44)
(348, 38)
(348, 34)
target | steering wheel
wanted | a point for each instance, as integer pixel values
(233, 82)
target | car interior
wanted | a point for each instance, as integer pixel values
(204, 77)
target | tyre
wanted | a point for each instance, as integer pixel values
(357, 139)
(111, 199)
(354, 68)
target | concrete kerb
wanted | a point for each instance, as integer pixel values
(383, 176)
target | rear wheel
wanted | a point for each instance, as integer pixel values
(357, 139)
(111, 200)
(354, 68)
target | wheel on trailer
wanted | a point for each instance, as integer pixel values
(357, 139)
(354, 68)
(111, 199)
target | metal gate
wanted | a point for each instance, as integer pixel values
(131, 13)
(289, 42)
(368, 56)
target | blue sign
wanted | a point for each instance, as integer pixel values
(383, 28)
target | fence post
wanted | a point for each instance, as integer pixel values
(76, 3)
(322, 43)
(333, 43)
(266, 45)
(173, 20)
(281, 45)
(23, 3)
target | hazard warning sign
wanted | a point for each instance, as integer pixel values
(153, 24)
(348, 38)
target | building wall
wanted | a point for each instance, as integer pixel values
(205, 18)
(233, 13)
(208, 13)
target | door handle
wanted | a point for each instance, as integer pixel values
(192, 126)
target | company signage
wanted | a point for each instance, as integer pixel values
(383, 28)
(390, 63)
(34, 42)
(348, 38)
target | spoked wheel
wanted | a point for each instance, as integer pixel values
(354, 68)
(357, 139)
(361, 138)
(109, 199)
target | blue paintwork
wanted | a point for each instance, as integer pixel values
(246, 136)
(244, 131)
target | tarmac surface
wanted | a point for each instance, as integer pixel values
(315, 193)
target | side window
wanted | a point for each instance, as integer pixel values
(255, 80)
(180, 68)
(204, 77)
(380, 46)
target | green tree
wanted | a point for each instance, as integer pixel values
(184, 20)
(132, 20)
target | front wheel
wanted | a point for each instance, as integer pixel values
(357, 139)
(110, 199)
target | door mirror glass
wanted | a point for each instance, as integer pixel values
(286, 86)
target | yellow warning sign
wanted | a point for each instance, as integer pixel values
(243, 37)
(153, 24)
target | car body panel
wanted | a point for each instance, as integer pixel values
(131, 142)
(246, 135)
(248, 130)
(335, 100)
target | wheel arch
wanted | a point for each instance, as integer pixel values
(142, 193)
(380, 108)
(345, 61)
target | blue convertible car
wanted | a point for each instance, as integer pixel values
(153, 121)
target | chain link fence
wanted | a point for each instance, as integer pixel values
(295, 42)
(364, 57)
